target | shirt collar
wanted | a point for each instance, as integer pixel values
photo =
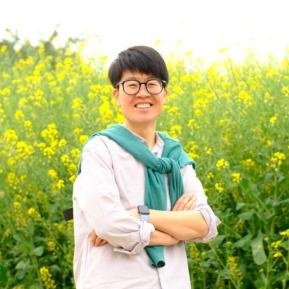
(158, 145)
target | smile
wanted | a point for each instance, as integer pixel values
(143, 105)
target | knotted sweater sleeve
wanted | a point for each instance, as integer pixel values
(97, 195)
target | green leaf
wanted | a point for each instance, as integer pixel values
(218, 240)
(246, 215)
(22, 265)
(3, 276)
(38, 251)
(268, 176)
(244, 242)
(258, 249)
(240, 206)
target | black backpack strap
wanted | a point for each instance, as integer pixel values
(68, 214)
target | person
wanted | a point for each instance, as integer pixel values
(137, 199)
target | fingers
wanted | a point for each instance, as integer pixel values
(96, 240)
(191, 204)
(185, 202)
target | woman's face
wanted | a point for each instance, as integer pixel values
(141, 108)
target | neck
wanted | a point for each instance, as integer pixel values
(146, 132)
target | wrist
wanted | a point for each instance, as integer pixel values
(144, 213)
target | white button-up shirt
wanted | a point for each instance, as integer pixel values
(111, 182)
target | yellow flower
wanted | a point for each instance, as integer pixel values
(19, 114)
(5, 91)
(277, 159)
(191, 148)
(72, 168)
(17, 205)
(22, 101)
(50, 133)
(12, 180)
(27, 124)
(275, 245)
(175, 131)
(192, 124)
(208, 151)
(210, 175)
(59, 227)
(268, 143)
(33, 213)
(11, 162)
(249, 163)
(51, 246)
(277, 254)
(83, 138)
(105, 110)
(222, 164)
(285, 233)
(60, 184)
(49, 152)
(285, 90)
(72, 178)
(52, 173)
(219, 187)
(46, 278)
(245, 98)
(62, 143)
(4, 48)
(10, 135)
(77, 131)
(2, 114)
(77, 104)
(236, 177)
(24, 150)
(75, 153)
(232, 263)
(273, 119)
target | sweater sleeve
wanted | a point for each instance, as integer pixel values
(193, 186)
(96, 194)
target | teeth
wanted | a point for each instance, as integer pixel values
(143, 105)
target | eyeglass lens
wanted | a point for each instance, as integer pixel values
(153, 86)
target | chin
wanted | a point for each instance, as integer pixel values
(142, 121)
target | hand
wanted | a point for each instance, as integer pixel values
(160, 238)
(171, 241)
(185, 202)
(96, 240)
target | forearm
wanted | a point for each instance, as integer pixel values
(161, 238)
(182, 225)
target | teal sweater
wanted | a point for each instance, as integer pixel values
(173, 158)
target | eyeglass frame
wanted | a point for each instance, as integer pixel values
(163, 84)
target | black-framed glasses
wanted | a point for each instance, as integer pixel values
(132, 86)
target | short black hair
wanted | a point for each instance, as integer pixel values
(138, 58)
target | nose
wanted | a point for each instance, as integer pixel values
(142, 90)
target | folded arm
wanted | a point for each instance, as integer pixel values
(187, 222)
(96, 194)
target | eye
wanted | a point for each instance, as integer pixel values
(153, 83)
(132, 85)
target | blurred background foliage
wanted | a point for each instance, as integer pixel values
(231, 118)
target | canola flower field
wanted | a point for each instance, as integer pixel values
(233, 120)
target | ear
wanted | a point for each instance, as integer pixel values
(115, 94)
(165, 94)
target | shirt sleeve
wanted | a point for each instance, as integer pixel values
(96, 194)
(193, 186)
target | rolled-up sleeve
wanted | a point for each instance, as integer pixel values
(96, 194)
(193, 186)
